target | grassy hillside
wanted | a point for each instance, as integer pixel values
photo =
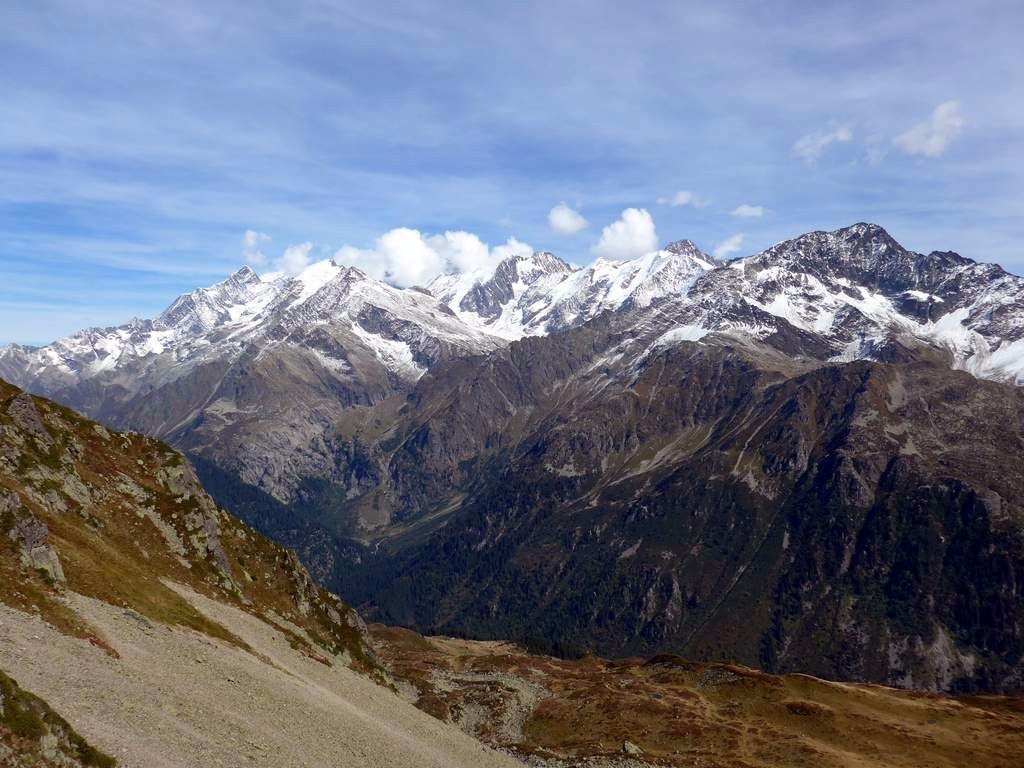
(116, 516)
(670, 712)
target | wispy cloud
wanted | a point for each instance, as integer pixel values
(812, 146)
(295, 258)
(252, 245)
(933, 136)
(748, 211)
(679, 199)
(729, 246)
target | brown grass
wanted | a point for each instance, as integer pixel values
(683, 713)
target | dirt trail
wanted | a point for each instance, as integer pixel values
(176, 699)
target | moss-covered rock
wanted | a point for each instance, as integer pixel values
(33, 735)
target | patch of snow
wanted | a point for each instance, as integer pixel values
(682, 333)
(396, 356)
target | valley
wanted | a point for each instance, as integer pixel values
(511, 385)
(620, 458)
(166, 633)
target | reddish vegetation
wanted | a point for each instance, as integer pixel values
(681, 713)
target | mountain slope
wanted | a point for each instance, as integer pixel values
(166, 631)
(251, 373)
(170, 635)
(600, 490)
(32, 734)
(730, 409)
(669, 712)
(114, 516)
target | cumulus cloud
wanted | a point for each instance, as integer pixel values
(566, 221)
(630, 236)
(294, 259)
(406, 257)
(729, 246)
(252, 242)
(511, 247)
(748, 211)
(401, 256)
(460, 251)
(932, 136)
(813, 145)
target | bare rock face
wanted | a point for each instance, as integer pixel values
(631, 749)
(24, 414)
(31, 536)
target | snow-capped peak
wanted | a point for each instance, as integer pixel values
(843, 293)
(688, 248)
(206, 308)
(538, 294)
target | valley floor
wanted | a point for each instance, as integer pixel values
(177, 699)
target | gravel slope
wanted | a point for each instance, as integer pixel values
(175, 698)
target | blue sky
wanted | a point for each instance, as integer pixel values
(140, 141)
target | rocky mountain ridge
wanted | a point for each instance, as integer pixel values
(614, 495)
(852, 287)
(654, 455)
(254, 374)
(250, 372)
(170, 634)
(114, 516)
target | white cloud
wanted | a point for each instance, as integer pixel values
(251, 245)
(932, 136)
(461, 251)
(683, 198)
(294, 259)
(813, 145)
(748, 211)
(679, 199)
(630, 236)
(405, 257)
(729, 246)
(512, 247)
(565, 221)
(401, 256)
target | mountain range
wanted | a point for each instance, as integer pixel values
(142, 625)
(806, 459)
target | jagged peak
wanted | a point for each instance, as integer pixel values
(244, 274)
(526, 264)
(349, 272)
(206, 307)
(686, 247)
(864, 229)
(550, 262)
(862, 244)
